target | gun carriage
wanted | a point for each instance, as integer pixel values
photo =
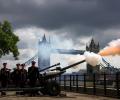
(45, 84)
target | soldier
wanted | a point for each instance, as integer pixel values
(16, 75)
(5, 73)
(23, 76)
(33, 75)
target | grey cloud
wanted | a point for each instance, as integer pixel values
(77, 17)
(60, 13)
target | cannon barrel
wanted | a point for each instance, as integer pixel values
(60, 70)
(49, 67)
(69, 66)
(52, 75)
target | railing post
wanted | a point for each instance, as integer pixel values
(64, 82)
(70, 83)
(94, 84)
(105, 84)
(117, 84)
(76, 83)
(84, 82)
(73, 80)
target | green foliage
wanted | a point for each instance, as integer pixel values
(8, 40)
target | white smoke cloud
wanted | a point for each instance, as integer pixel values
(114, 43)
(92, 58)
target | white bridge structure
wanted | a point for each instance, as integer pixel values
(45, 50)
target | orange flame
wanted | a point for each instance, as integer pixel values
(110, 51)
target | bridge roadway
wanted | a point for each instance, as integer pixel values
(69, 51)
(69, 96)
(60, 51)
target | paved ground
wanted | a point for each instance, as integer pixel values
(70, 96)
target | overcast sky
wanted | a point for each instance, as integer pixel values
(72, 21)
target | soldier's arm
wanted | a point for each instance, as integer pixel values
(28, 74)
(37, 73)
(0, 75)
(9, 75)
(1, 71)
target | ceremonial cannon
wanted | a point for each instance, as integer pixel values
(49, 87)
(45, 84)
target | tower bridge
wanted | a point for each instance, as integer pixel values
(60, 51)
(45, 50)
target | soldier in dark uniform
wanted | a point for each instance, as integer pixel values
(5, 76)
(33, 75)
(16, 75)
(23, 76)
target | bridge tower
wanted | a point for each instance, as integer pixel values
(44, 52)
(92, 47)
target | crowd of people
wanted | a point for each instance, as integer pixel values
(19, 76)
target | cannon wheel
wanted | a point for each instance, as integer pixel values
(53, 88)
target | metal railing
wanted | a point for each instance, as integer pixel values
(95, 84)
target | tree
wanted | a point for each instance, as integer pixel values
(8, 40)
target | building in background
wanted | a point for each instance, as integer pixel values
(93, 47)
(44, 52)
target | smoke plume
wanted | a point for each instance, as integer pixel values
(113, 48)
(92, 58)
